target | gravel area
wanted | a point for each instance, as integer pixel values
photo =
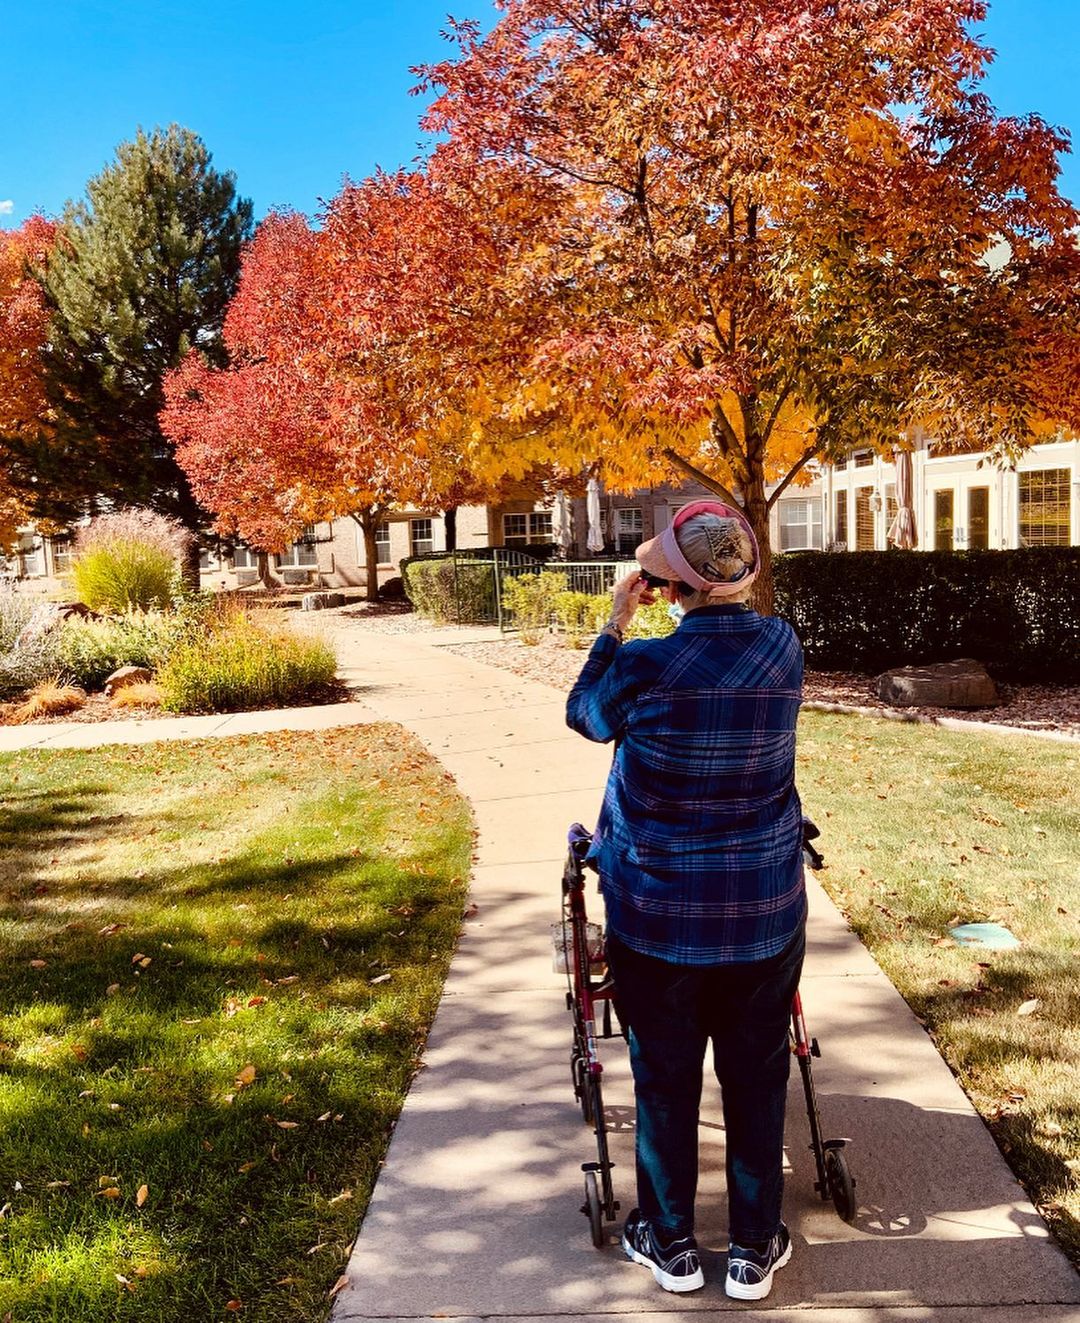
(1026, 707)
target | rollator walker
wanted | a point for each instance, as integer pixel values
(591, 992)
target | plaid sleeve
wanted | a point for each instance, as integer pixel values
(601, 699)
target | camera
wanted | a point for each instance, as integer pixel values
(653, 580)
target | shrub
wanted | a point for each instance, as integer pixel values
(33, 663)
(15, 612)
(138, 694)
(1018, 612)
(580, 615)
(50, 698)
(88, 651)
(243, 661)
(128, 561)
(652, 622)
(530, 599)
(451, 588)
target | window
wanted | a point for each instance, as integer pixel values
(943, 519)
(61, 555)
(244, 558)
(978, 518)
(800, 523)
(302, 555)
(30, 558)
(864, 519)
(840, 531)
(1045, 508)
(421, 540)
(521, 529)
(862, 459)
(382, 544)
(629, 531)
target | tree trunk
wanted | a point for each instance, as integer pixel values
(263, 566)
(756, 509)
(369, 522)
(450, 525)
(190, 574)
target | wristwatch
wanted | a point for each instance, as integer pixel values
(614, 629)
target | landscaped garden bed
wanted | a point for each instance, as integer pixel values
(219, 962)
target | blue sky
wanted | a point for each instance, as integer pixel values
(293, 97)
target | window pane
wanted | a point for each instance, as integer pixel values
(841, 517)
(515, 528)
(864, 520)
(1045, 508)
(540, 526)
(244, 558)
(382, 544)
(420, 537)
(800, 523)
(629, 531)
(978, 518)
(61, 549)
(943, 520)
(863, 459)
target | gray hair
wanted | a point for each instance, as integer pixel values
(720, 550)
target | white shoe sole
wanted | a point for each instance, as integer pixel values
(678, 1285)
(743, 1291)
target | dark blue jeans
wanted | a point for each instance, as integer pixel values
(671, 1012)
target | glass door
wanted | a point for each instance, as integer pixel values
(978, 518)
(944, 520)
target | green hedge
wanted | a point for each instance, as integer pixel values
(1018, 612)
(449, 589)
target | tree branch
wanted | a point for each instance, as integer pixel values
(793, 473)
(686, 467)
(781, 400)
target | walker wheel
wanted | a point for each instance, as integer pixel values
(592, 1209)
(841, 1184)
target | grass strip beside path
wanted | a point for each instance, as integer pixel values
(924, 829)
(219, 962)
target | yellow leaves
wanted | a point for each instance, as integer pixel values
(245, 1077)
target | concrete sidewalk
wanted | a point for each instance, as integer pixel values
(475, 1213)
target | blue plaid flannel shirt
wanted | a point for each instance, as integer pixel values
(699, 841)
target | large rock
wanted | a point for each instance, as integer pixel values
(960, 683)
(321, 601)
(127, 675)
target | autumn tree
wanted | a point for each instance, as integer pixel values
(327, 406)
(142, 272)
(24, 411)
(754, 235)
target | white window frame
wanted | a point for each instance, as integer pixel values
(382, 543)
(303, 554)
(535, 527)
(628, 528)
(1066, 524)
(425, 544)
(805, 533)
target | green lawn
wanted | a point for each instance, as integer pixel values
(218, 961)
(925, 828)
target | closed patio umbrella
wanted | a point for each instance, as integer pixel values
(564, 524)
(902, 532)
(595, 540)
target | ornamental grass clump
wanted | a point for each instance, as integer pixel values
(243, 661)
(88, 651)
(128, 561)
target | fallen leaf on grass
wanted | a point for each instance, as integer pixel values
(287, 1281)
(245, 1077)
(39, 964)
(142, 1195)
(79, 1052)
(1028, 1007)
(340, 1285)
(382, 978)
(234, 1306)
(112, 989)
(1051, 1129)
(256, 1001)
(325, 1117)
(111, 1193)
(287, 1125)
(340, 1198)
(125, 1282)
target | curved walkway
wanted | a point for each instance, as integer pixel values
(475, 1213)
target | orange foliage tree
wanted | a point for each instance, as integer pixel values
(24, 321)
(748, 236)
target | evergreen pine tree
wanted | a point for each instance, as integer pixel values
(143, 271)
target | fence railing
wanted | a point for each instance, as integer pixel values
(477, 580)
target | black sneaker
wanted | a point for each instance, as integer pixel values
(676, 1266)
(750, 1272)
